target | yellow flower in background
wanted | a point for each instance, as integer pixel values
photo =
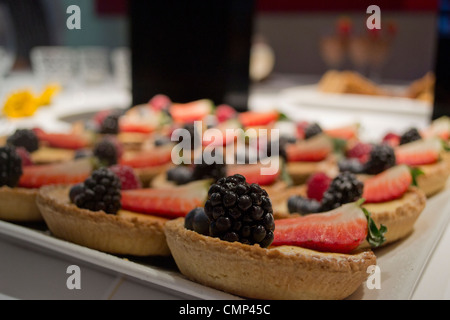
(24, 103)
(20, 104)
(47, 95)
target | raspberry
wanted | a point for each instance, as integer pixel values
(360, 151)
(225, 112)
(127, 176)
(391, 139)
(160, 102)
(317, 184)
(25, 155)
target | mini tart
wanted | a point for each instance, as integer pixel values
(19, 205)
(126, 233)
(301, 171)
(399, 216)
(435, 177)
(279, 273)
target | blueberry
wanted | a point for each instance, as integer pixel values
(75, 191)
(180, 175)
(201, 222)
(189, 219)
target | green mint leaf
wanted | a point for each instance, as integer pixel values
(375, 236)
(415, 172)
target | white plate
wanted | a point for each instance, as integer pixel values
(401, 264)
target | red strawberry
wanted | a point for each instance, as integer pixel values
(71, 141)
(218, 136)
(71, 172)
(253, 118)
(341, 230)
(419, 152)
(160, 102)
(317, 184)
(148, 158)
(255, 173)
(127, 177)
(360, 151)
(225, 112)
(388, 185)
(192, 111)
(169, 202)
(344, 132)
(315, 149)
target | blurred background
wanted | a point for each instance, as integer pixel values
(282, 45)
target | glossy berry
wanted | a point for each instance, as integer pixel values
(75, 191)
(180, 175)
(24, 138)
(128, 178)
(240, 212)
(10, 167)
(345, 188)
(381, 158)
(106, 152)
(302, 205)
(360, 151)
(316, 185)
(101, 192)
(200, 222)
(410, 135)
(312, 130)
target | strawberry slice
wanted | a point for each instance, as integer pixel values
(345, 132)
(169, 202)
(71, 172)
(419, 152)
(70, 141)
(341, 230)
(257, 173)
(192, 111)
(388, 185)
(221, 135)
(253, 118)
(312, 150)
(148, 158)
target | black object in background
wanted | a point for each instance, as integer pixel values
(442, 64)
(191, 50)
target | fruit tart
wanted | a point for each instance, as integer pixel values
(391, 197)
(111, 212)
(234, 244)
(313, 152)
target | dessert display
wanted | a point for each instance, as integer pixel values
(268, 258)
(300, 206)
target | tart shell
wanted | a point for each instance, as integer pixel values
(281, 273)
(19, 205)
(126, 233)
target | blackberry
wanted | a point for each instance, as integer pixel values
(410, 136)
(345, 188)
(110, 125)
(106, 152)
(381, 158)
(240, 212)
(214, 171)
(180, 175)
(10, 166)
(24, 138)
(312, 130)
(99, 192)
(299, 204)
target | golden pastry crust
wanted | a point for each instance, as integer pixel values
(281, 273)
(435, 177)
(46, 155)
(125, 233)
(301, 171)
(399, 216)
(19, 205)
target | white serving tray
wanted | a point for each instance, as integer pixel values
(401, 264)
